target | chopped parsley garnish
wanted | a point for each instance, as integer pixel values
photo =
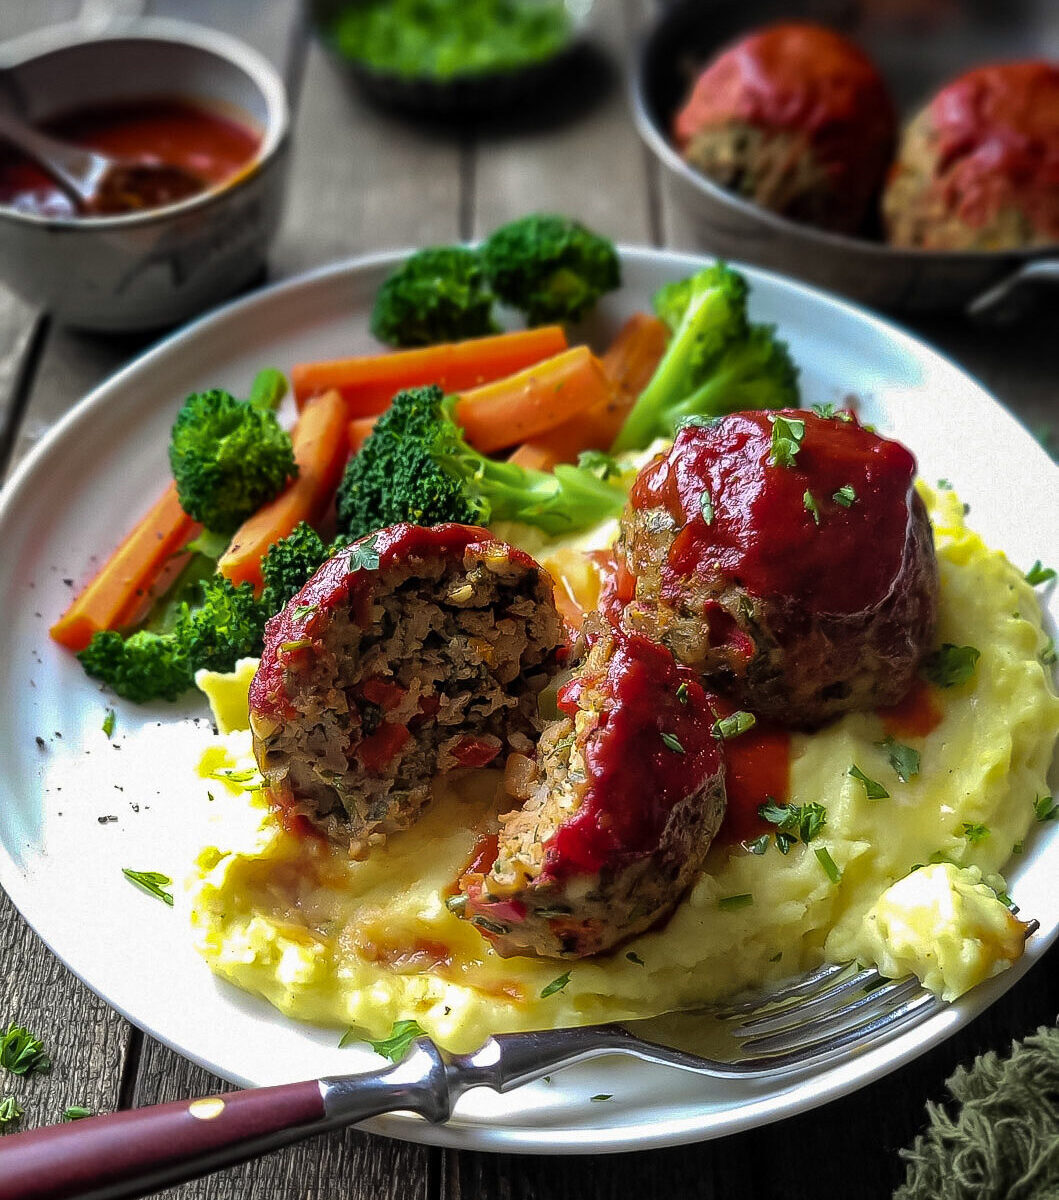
(872, 788)
(951, 665)
(793, 821)
(21, 1053)
(1045, 808)
(733, 725)
(363, 556)
(944, 485)
(787, 435)
(599, 1097)
(831, 412)
(10, 1112)
(706, 506)
(903, 759)
(152, 882)
(845, 495)
(973, 831)
(1047, 655)
(776, 957)
(556, 985)
(682, 693)
(633, 957)
(671, 742)
(743, 900)
(402, 1035)
(231, 775)
(759, 845)
(1039, 573)
(604, 466)
(296, 644)
(303, 610)
(76, 1112)
(811, 507)
(109, 720)
(1017, 848)
(828, 863)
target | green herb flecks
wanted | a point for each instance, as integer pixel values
(76, 1112)
(872, 788)
(730, 903)
(706, 506)
(793, 822)
(682, 693)
(734, 725)
(1039, 573)
(363, 555)
(10, 1112)
(1047, 655)
(787, 435)
(845, 495)
(402, 1035)
(153, 883)
(109, 721)
(599, 1097)
(1045, 808)
(973, 831)
(758, 846)
(671, 742)
(301, 611)
(828, 863)
(21, 1053)
(811, 506)
(903, 759)
(633, 957)
(951, 665)
(556, 985)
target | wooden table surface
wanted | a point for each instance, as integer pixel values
(363, 181)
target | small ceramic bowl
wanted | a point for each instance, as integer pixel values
(995, 285)
(154, 268)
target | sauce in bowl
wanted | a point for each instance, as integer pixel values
(205, 147)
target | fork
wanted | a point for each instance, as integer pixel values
(834, 1010)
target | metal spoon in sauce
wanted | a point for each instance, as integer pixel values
(96, 183)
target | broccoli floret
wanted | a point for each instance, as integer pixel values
(226, 625)
(228, 457)
(551, 268)
(716, 361)
(289, 563)
(438, 295)
(416, 467)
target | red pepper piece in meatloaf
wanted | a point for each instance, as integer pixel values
(413, 652)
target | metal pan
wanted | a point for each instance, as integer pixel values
(916, 59)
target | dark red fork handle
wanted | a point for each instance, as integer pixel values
(133, 1152)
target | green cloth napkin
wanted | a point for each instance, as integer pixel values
(1003, 1141)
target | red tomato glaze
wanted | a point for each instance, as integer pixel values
(800, 77)
(997, 130)
(762, 535)
(171, 131)
(634, 777)
(916, 715)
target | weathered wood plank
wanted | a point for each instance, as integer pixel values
(590, 165)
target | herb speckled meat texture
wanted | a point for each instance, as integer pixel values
(412, 653)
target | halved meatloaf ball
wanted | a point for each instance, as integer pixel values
(795, 118)
(412, 652)
(788, 558)
(628, 793)
(978, 168)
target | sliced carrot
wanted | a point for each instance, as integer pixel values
(359, 431)
(525, 405)
(320, 450)
(368, 383)
(117, 592)
(629, 363)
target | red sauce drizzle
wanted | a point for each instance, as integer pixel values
(634, 777)
(758, 769)
(916, 715)
(997, 130)
(174, 132)
(762, 535)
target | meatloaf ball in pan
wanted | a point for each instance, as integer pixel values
(795, 118)
(627, 794)
(410, 653)
(788, 558)
(978, 168)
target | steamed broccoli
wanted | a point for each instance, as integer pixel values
(716, 361)
(230, 456)
(289, 563)
(551, 268)
(416, 467)
(226, 625)
(437, 295)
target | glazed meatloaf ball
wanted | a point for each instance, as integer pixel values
(795, 118)
(626, 795)
(978, 168)
(788, 557)
(412, 652)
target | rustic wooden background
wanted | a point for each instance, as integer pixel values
(361, 181)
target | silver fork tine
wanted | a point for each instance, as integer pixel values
(799, 987)
(796, 1033)
(779, 1019)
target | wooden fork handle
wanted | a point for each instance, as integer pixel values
(132, 1152)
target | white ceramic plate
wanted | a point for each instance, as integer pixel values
(105, 462)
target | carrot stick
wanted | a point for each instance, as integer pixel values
(629, 364)
(530, 403)
(116, 593)
(368, 383)
(359, 430)
(320, 450)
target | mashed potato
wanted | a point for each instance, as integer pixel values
(369, 943)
